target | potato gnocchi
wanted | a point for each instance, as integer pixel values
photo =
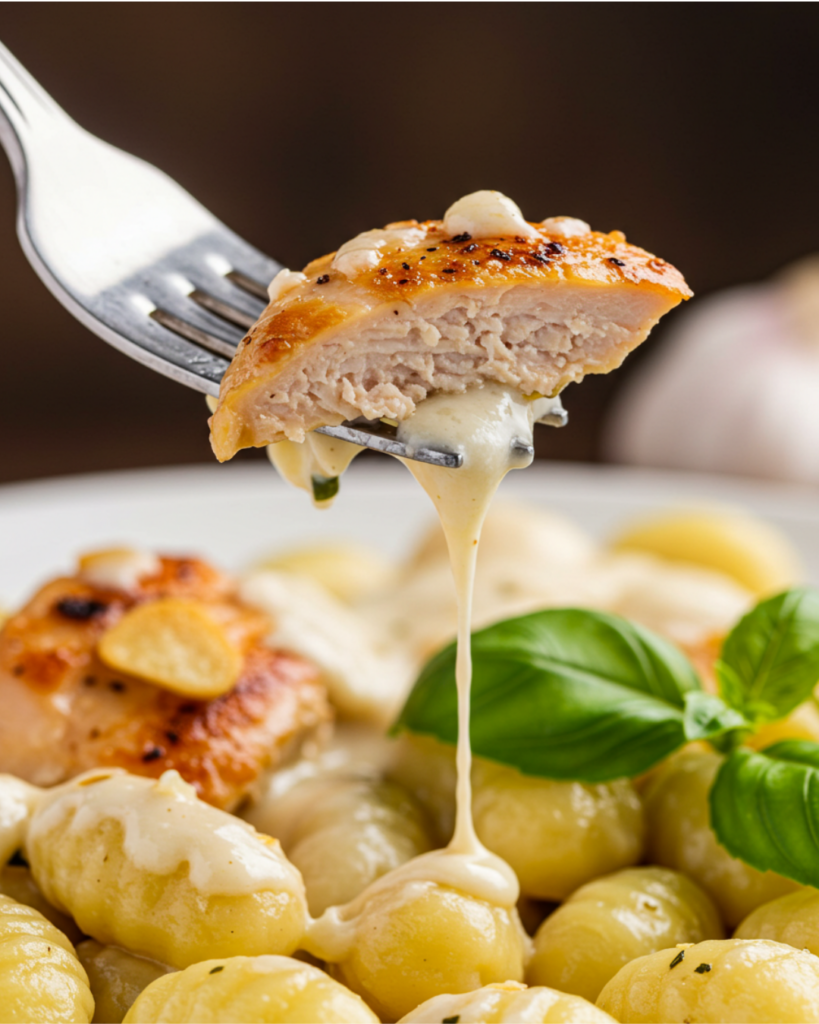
(755, 981)
(609, 922)
(508, 1003)
(254, 990)
(148, 866)
(116, 978)
(41, 979)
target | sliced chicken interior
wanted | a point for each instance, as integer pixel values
(439, 306)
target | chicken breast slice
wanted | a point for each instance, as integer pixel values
(66, 711)
(418, 308)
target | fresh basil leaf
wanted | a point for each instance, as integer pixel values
(569, 694)
(765, 808)
(770, 659)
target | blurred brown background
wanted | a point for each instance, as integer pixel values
(692, 127)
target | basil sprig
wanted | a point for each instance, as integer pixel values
(770, 659)
(585, 696)
(765, 808)
(570, 694)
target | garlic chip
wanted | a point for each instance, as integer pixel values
(175, 644)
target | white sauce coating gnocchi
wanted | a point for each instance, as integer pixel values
(41, 979)
(679, 836)
(116, 978)
(756, 982)
(508, 1003)
(253, 990)
(146, 865)
(343, 832)
(613, 920)
(414, 939)
(793, 919)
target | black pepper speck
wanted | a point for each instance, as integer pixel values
(404, 280)
(152, 755)
(678, 959)
(433, 250)
(463, 237)
(449, 270)
(80, 608)
(470, 248)
(406, 266)
(117, 686)
(500, 254)
(616, 262)
(702, 969)
(323, 279)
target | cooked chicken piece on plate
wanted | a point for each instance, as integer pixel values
(69, 706)
(439, 306)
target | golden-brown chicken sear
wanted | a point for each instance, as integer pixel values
(65, 710)
(439, 306)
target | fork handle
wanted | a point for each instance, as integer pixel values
(25, 107)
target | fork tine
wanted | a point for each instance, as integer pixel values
(186, 330)
(222, 309)
(248, 284)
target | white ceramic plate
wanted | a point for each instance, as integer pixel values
(233, 514)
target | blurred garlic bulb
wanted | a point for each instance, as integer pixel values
(735, 389)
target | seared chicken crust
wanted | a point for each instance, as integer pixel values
(65, 711)
(437, 312)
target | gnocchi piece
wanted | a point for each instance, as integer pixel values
(17, 801)
(793, 919)
(254, 990)
(426, 768)
(351, 572)
(16, 882)
(613, 920)
(801, 724)
(556, 835)
(749, 550)
(342, 832)
(720, 980)
(416, 939)
(116, 978)
(144, 864)
(680, 837)
(508, 1003)
(41, 979)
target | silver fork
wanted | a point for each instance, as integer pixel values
(137, 259)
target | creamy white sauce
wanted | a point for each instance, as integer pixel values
(118, 568)
(487, 426)
(565, 227)
(18, 800)
(317, 456)
(285, 281)
(165, 825)
(487, 214)
(364, 252)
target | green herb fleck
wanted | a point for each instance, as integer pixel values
(324, 487)
(702, 969)
(215, 970)
(678, 959)
(452, 1020)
